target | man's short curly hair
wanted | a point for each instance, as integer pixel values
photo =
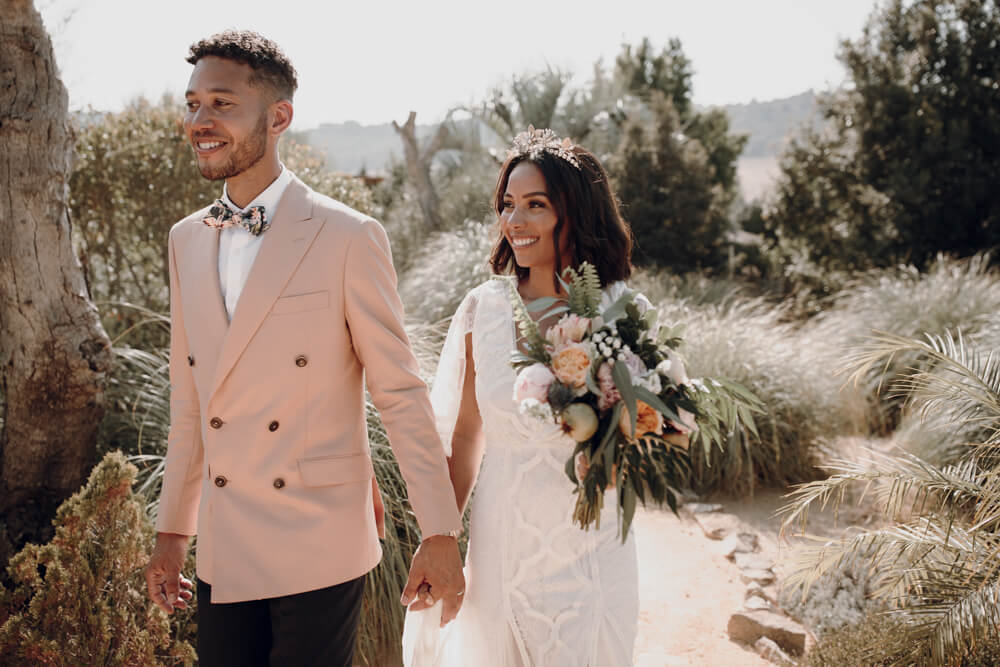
(269, 63)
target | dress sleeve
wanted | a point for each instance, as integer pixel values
(446, 392)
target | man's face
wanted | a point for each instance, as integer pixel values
(227, 118)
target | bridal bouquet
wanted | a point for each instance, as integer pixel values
(608, 374)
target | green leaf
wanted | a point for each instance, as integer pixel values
(612, 430)
(541, 304)
(653, 401)
(623, 381)
(617, 309)
(627, 510)
(592, 385)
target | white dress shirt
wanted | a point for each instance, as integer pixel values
(238, 248)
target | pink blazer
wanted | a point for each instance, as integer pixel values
(268, 459)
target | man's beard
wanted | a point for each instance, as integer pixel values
(245, 154)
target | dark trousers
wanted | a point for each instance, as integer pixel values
(313, 628)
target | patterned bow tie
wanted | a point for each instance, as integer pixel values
(253, 219)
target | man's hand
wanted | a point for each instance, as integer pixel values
(164, 583)
(436, 571)
(379, 510)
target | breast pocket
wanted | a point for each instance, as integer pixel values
(297, 303)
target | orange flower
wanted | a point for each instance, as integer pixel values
(571, 365)
(648, 421)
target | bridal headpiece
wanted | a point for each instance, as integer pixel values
(535, 142)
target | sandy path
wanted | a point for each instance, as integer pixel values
(687, 592)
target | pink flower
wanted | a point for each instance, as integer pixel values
(533, 382)
(609, 392)
(570, 329)
(686, 424)
(636, 368)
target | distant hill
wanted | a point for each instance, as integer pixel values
(770, 124)
(349, 147)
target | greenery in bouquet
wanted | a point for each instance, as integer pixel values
(608, 373)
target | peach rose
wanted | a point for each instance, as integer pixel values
(571, 365)
(648, 421)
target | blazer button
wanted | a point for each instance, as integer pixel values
(215, 422)
(273, 426)
(301, 360)
(220, 481)
(279, 483)
(190, 360)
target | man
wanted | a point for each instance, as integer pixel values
(282, 304)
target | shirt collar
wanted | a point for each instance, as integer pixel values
(268, 198)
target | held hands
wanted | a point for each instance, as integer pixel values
(164, 582)
(436, 574)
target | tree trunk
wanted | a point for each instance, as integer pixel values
(54, 354)
(418, 167)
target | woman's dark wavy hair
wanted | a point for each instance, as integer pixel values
(586, 211)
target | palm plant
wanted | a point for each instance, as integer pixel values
(935, 561)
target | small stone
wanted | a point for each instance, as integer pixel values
(739, 542)
(762, 577)
(717, 525)
(751, 561)
(749, 626)
(755, 602)
(703, 508)
(770, 651)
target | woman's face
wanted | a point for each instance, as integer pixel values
(528, 218)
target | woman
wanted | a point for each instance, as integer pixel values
(541, 591)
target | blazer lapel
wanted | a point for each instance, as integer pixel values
(284, 244)
(204, 310)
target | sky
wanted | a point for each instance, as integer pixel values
(373, 62)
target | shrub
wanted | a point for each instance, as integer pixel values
(81, 598)
(788, 367)
(445, 269)
(954, 295)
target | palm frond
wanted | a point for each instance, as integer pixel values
(899, 480)
(953, 375)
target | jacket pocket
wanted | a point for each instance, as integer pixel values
(330, 470)
(300, 302)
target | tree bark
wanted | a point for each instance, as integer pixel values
(54, 354)
(418, 166)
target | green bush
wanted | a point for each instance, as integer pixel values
(81, 599)
(908, 163)
(789, 367)
(445, 269)
(953, 296)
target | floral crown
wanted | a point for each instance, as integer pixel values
(534, 142)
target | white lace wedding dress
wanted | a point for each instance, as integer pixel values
(540, 592)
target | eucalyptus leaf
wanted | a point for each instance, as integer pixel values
(623, 381)
(653, 401)
(617, 309)
(541, 304)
